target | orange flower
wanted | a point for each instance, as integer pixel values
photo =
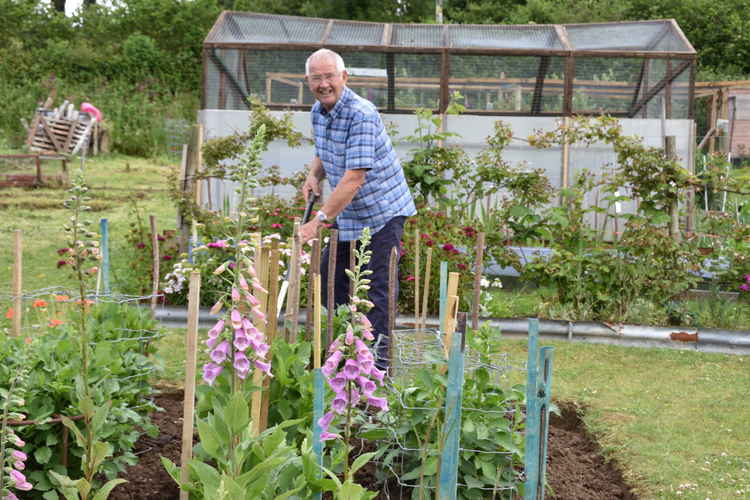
(55, 322)
(39, 303)
(61, 298)
(9, 313)
(86, 301)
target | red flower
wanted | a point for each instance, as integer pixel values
(63, 251)
(9, 313)
(461, 266)
(276, 225)
(410, 278)
(469, 231)
(160, 237)
(167, 257)
(448, 247)
(39, 303)
(55, 322)
(140, 245)
(61, 263)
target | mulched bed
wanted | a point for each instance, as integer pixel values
(577, 469)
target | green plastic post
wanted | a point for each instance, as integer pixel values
(443, 293)
(532, 414)
(452, 427)
(104, 248)
(318, 393)
(547, 354)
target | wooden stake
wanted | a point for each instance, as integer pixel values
(191, 360)
(155, 256)
(292, 304)
(352, 263)
(451, 311)
(17, 281)
(256, 407)
(478, 270)
(426, 292)
(416, 279)
(333, 241)
(565, 181)
(314, 269)
(271, 323)
(317, 305)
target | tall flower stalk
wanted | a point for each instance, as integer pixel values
(13, 458)
(350, 367)
(83, 250)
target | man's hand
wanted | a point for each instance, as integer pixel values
(312, 181)
(309, 230)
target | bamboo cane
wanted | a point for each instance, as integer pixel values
(478, 269)
(191, 360)
(155, 256)
(17, 281)
(271, 323)
(292, 304)
(257, 397)
(330, 286)
(451, 311)
(316, 320)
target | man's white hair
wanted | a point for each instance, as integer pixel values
(327, 54)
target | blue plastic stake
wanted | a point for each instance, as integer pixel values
(532, 414)
(104, 248)
(452, 427)
(318, 393)
(545, 394)
(443, 293)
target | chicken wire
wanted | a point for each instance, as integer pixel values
(413, 350)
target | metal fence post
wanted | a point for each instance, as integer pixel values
(452, 428)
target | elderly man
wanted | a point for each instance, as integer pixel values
(354, 152)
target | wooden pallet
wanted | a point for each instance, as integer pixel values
(51, 134)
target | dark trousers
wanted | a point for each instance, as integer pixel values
(381, 244)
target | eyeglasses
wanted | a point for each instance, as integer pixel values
(328, 77)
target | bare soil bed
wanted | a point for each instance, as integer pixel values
(577, 470)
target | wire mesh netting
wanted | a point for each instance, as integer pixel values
(490, 453)
(24, 170)
(497, 68)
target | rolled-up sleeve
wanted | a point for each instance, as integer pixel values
(360, 145)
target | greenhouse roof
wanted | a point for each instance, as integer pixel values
(637, 38)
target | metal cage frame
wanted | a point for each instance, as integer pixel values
(571, 42)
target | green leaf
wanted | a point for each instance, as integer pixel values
(75, 430)
(361, 461)
(105, 490)
(209, 439)
(42, 455)
(51, 439)
(207, 475)
(99, 451)
(237, 414)
(172, 469)
(86, 405)
(375, 434)
(99, 417)
(482, 431)
(84, 487)
(51, 495)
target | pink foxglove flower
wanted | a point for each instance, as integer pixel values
(241, 342)
(210, 372)
(18, 455)
(327, 436)
(221, 353)
(351, 369)
(243, 282)
(236, 319)
(216, 309)
(368, 386)
(349, 337)
(339, 404)
(241, 364)
(337, 383)
(211, 342)
(216, 329)
(381, 403)
(325, 421)
(19, 465)
(235, 294)
(264, 367)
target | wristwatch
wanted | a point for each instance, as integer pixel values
(322, 217)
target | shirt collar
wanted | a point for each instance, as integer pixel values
(334, 113)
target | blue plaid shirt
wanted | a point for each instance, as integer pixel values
(352, 136)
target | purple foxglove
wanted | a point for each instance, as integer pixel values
(264, 367)
(349, 338)
(18, 441)
(252, 299)
(210, 372)
(367, 334)
(25, 486)
(367, 385)
(243, 282)
(258, 286)
(334, 345)
(335, 358)
(261, 350)
(211, 342)
(17, 477)
(216, 329)
(19, 465)
(328, 369)
(216, 307)
(236, 318)
(241, 364)
(219, 355)
(258, 313)
(325, 420)
(351, 369)
(337, 383)
(327, 436)
(377, 374)
(10, 496)
(339, 403)
(359, 345)
(365, 322)
(354, 397)
(241, 342)
(221, 268)
(18, 455)
(235, 295)
(366, 364)
(381, 403)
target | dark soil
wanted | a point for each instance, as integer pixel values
(576, 470)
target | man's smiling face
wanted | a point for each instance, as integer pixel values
(325, 81)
